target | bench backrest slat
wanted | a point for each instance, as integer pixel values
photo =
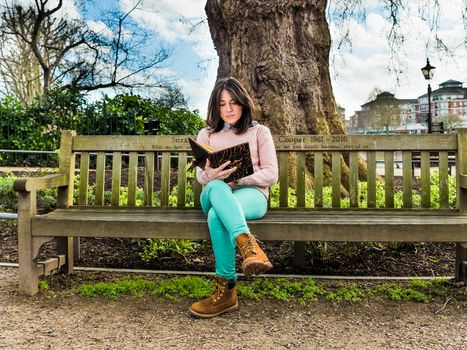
(443, 180)
(318, 178)
(181, 179)
(389, 178)
(116, 178)
(371, 179)
(84, 178)
(425, 178)
(132, 178)
(336, 179)
(165, 179)
(284, 179)
(300, 182)
(353, 179)
(100, 178)
(407, 196)
(461, 168)
(149, 158)
(197, 188)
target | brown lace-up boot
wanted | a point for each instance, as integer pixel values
(224, 299)
(255, 261)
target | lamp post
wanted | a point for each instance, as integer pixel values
(428, 72)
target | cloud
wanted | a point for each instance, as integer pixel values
(101, 28)
(171, 20)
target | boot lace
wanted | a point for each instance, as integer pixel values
(248, 247)
(219, 291)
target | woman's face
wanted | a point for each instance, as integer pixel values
(230, 111)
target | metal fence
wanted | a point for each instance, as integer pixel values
(31, 134)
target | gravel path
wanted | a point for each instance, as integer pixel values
(65, 321)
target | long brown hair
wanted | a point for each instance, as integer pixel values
(240, 96)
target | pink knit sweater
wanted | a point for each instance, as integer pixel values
(263, 155)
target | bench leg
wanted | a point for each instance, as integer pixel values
(27, 266)
(69, 247)
(461, 262)
(299, 254)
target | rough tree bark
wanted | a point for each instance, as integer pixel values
(279, 50)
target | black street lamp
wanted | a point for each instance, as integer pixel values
(428, 71)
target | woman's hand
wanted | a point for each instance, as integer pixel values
(218, 173)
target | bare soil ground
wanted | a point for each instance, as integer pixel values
(59, 319)
(343, 259)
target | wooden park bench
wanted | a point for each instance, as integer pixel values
(139, 154)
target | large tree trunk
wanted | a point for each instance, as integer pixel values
(279, 50)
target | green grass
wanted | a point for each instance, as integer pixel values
(301, 291)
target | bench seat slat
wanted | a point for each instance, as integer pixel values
(296, 225)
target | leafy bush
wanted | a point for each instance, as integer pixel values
(38, 126)
(168, 248)
(8, 197)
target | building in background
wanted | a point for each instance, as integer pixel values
(388, 114)
(448, 105)
(385, 114)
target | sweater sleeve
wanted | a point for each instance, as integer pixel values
(202, 137)
(268, 173)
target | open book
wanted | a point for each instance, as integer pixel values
(239, 155)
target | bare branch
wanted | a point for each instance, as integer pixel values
(70, 54)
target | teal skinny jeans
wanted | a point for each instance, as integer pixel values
(227, 212)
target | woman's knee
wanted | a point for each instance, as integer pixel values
(212, 216)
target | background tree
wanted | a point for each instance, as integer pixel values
(450, 121)
(19, 70)
(386, 116)
(71, 55)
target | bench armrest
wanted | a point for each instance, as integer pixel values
(38, 183)
(463, 181)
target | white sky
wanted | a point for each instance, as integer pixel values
(355, 73)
